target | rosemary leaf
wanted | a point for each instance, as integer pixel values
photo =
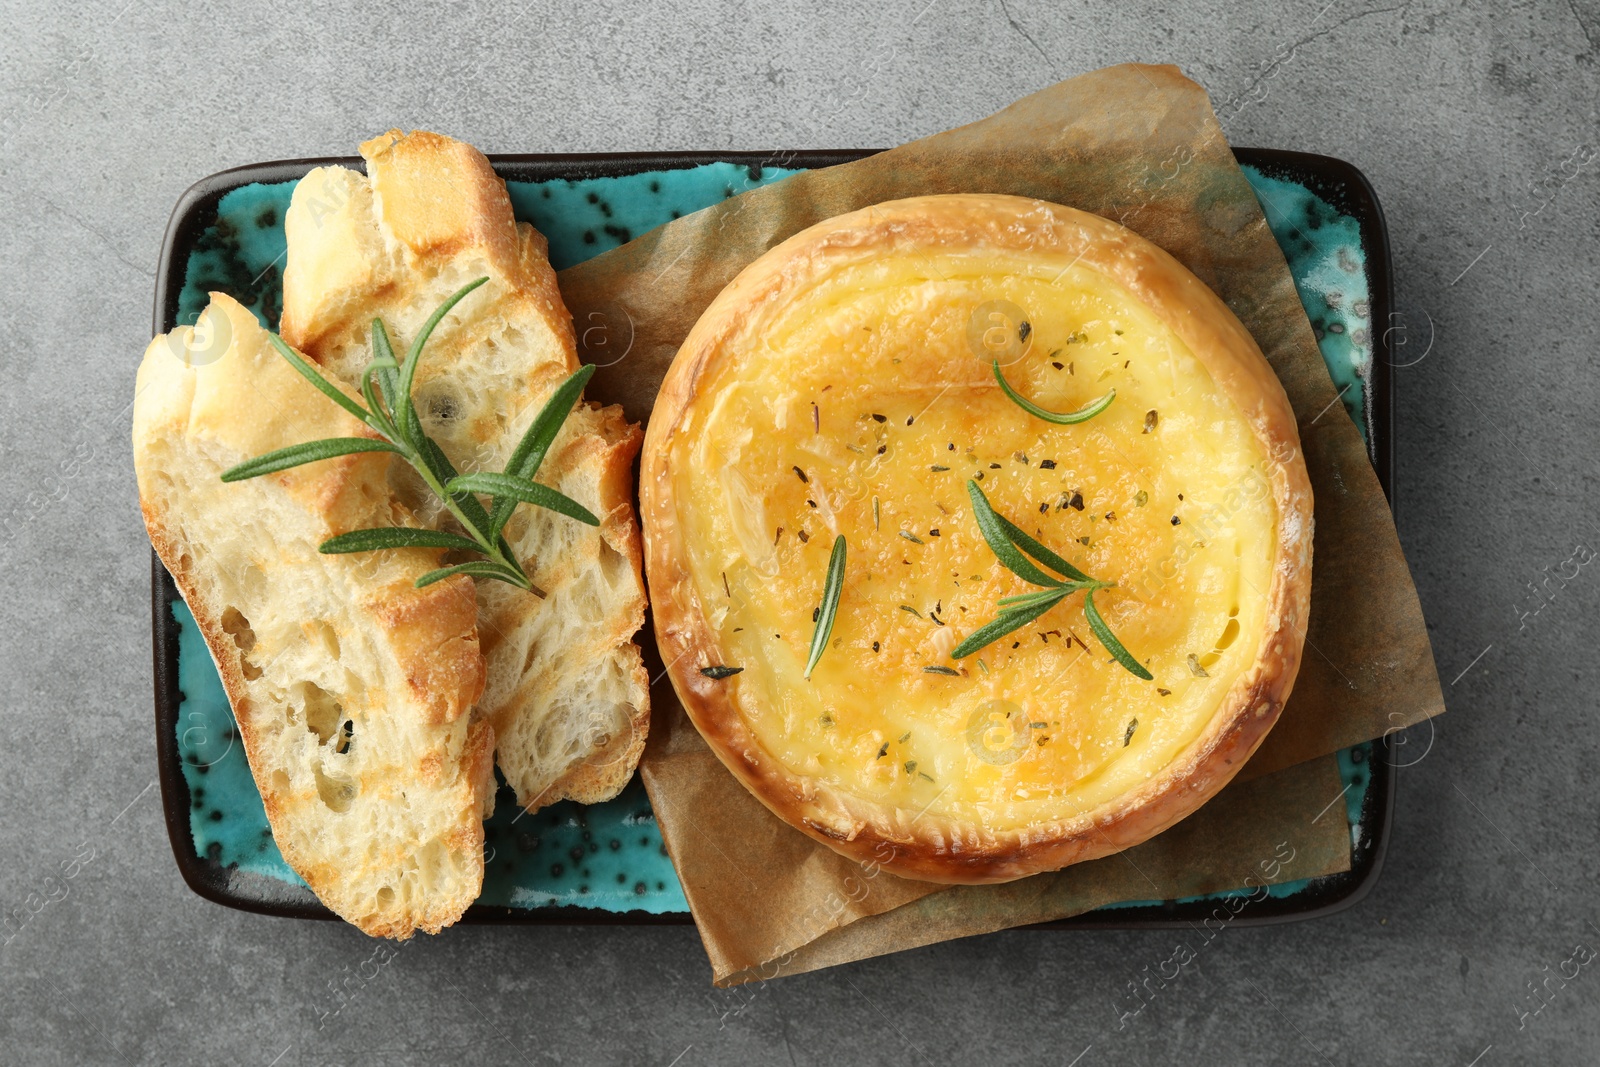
(1103, 634)
(369, 393)
(1041, 553)
(1083, 414)
(994, 531)
(1025, 600)
(406, 418)
(478, 568)
(1004, 623)
(383, 362)
(518, 489)
(395, 537)
(309, 452)
(831, 590)
(720, 671)
(531, 450)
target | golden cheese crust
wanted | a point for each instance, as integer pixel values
(842, 367)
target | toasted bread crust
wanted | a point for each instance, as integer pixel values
(924, 845)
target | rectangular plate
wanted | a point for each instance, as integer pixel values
(1301, 193)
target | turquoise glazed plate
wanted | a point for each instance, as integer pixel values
(606, 862)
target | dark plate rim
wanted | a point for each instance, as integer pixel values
(1336, 180)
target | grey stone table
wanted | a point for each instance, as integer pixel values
(1478, 128)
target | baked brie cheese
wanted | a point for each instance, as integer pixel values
(845, 384)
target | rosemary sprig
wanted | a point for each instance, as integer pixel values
(1010, 543)
(391, 413)
(1083, 414)
(831, 590)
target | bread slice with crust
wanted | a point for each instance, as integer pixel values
(351, 687)
(567, 691)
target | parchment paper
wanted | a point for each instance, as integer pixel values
(769, 901)
(1225, 845)
(1139, 145)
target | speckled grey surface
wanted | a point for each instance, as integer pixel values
(1479, 130)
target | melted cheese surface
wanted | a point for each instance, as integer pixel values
(861, 407)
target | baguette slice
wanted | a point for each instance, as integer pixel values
(352, 688)
(567, 691)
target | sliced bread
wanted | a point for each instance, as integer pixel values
(352, 688)
(567, 692)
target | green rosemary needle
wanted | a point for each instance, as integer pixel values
(1103, 634)
(831, 591)
(1083, 414)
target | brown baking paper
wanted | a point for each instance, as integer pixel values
(1225, 845)
(770, 901)
(1139, 145)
